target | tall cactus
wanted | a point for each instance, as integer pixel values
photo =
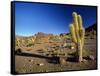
(77, 34)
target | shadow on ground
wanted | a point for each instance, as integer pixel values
(53, 59)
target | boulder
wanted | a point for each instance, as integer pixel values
(91, 57)
(40, 64)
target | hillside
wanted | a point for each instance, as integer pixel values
(91, 31)
(92, 27)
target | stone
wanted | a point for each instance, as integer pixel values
(72, 47)
(65, 44)
(41, 64)
(91, 57)
(62, 61)
(84, 61)
(31, 60)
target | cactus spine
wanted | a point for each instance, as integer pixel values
(77, 34)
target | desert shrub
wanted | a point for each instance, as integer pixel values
(47, 54)
(69, 46)
(67, 37)
(73, 54)
(86, 53)
(40, 50)
(62, 61)
(18, 51)
(31, 44)
(53, 54)
(62, 54)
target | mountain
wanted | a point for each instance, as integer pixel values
(91, 31)
(40, 37)
(91, 28)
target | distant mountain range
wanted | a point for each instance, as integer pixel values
(89, 30)
(40, 37)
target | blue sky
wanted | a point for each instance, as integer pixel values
(31, 18)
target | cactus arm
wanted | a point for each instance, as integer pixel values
(81, 29)
(75, 22)
(83, 37)
(80, 22)
(81, 45)
(72, 30)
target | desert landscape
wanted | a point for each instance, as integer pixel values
(44, 52)
(53, 38)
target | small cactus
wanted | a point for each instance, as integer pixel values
(77, 34)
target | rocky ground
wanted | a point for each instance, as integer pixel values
(44, 57)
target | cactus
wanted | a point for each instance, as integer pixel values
(77, 34)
